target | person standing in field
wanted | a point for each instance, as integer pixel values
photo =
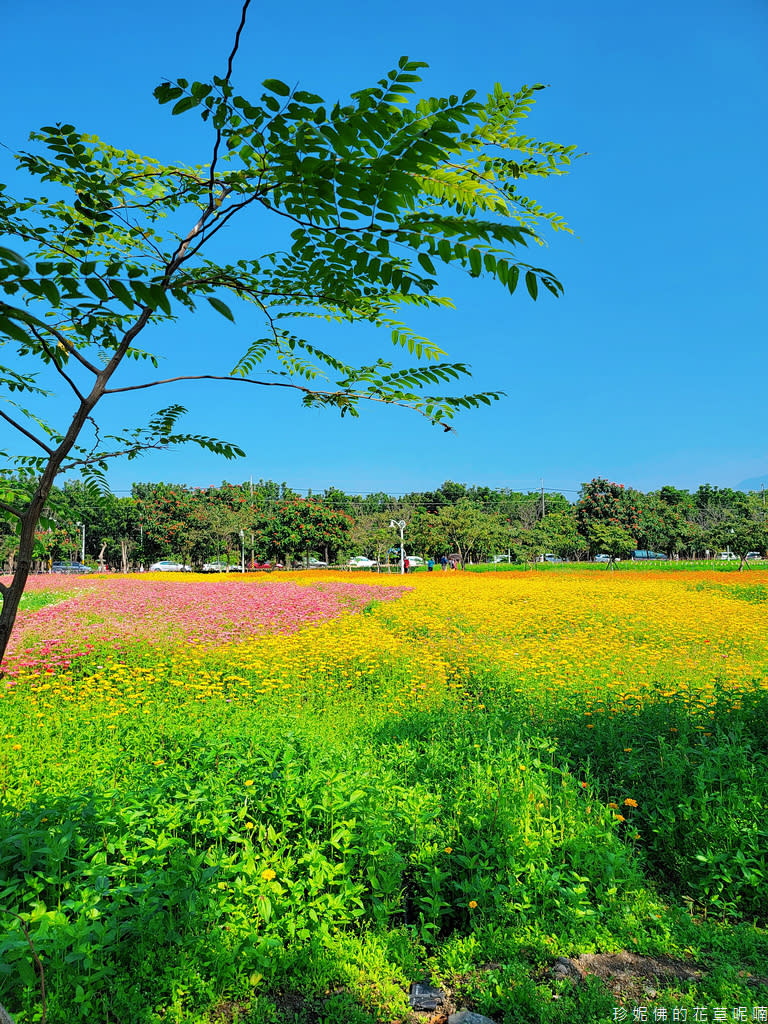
(444, 563)
(406, 564)
(430, 564)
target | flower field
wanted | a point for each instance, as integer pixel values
(286, 799)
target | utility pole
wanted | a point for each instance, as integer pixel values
(399, 525)
(542, 498)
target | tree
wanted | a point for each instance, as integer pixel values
(557, 532)
(747, 532)
(298, 527)
(375, 193)
(461, 528)
(603, 502)
(616, 541)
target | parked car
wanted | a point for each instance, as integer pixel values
(415, 561)
(754, 556)
(71, 567)
(500, 558)
(727, 556)
(361, 562)
(218, 567)
(603, 558)
(642, 555)
(549, 557)
(263, 566)
(165, 566)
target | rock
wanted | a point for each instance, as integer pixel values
(565, 968)
(468, 1017)
(425, 997)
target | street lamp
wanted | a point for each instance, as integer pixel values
(242, 551)
(399, 525)
(82, 548)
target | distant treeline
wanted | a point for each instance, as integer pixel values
(267, 521)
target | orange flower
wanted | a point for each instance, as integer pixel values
(629, 802)
(472, 904)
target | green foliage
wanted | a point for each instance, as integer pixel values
(605, 503)
(376, 192)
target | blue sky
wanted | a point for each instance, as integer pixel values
(650, 370)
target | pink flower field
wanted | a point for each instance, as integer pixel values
(122, 611)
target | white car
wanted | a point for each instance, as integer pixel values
(727, 556)
(165, 566)
(415, 561)
(361, 562)
(219, 567)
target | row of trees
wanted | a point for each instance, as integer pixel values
(271, 522)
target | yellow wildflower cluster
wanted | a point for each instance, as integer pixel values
(613, 640)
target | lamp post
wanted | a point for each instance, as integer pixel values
(399, 525)
(82, 546)
(242, 551)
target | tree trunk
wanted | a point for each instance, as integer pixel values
(12, 594)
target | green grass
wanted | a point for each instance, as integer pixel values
(32, 602)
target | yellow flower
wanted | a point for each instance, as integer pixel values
(249, 824)
(472, 904)
(613, 806)
(249, 782)
(629, 802)
(268, 874)
(449, 849)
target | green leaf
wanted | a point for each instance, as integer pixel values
(275, 85)
(532, 284)
(9, 256)
(512, 279)
(221, 307)
(13, 331)
(120, 292)
(97, 287)
(184, 104)
(426, 263)
(51, 292)
(307, 97)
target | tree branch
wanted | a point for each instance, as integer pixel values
(278, 384)
(226, 79)
(62, 338)
(26, 433)
(10, 510)
(54, 360)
